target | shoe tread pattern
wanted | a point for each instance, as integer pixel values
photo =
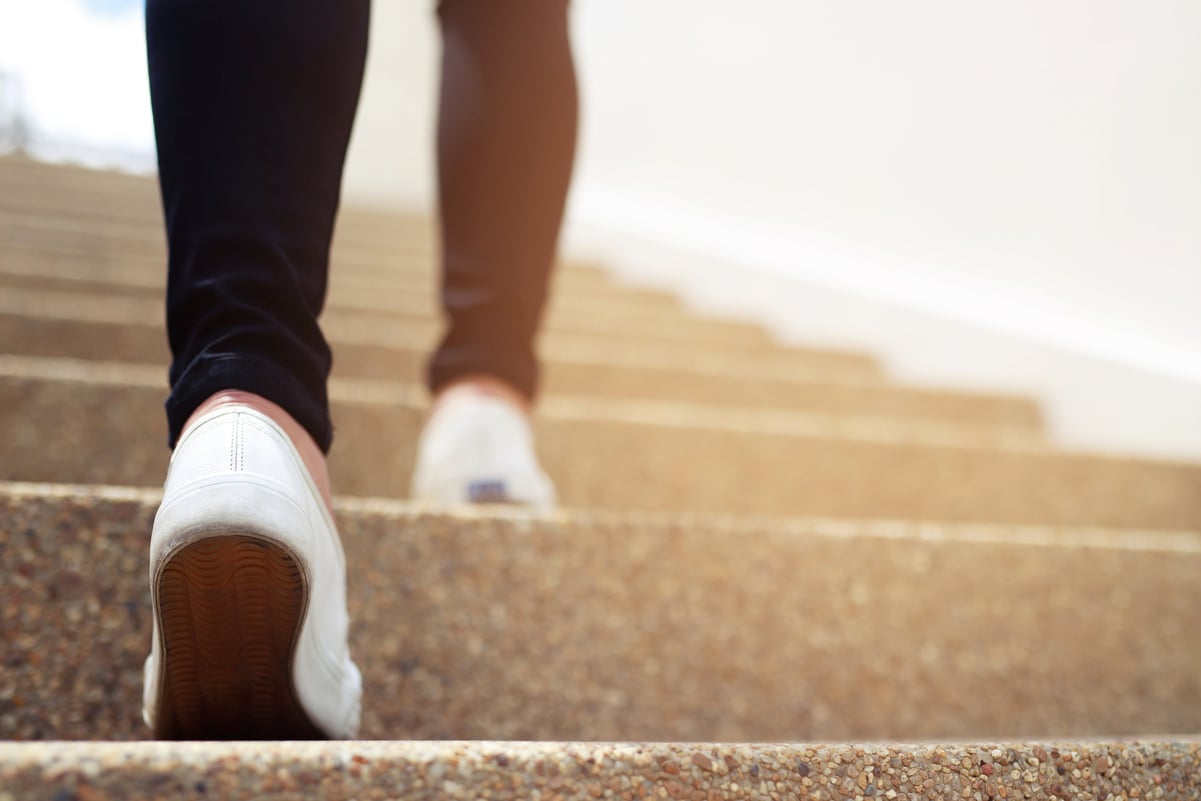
(231, 608)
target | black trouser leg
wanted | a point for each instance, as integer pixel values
(253, 105)
(506, 142)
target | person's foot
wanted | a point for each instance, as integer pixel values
(248, 585)
(477, 447)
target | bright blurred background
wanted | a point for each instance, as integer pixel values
(997, 196)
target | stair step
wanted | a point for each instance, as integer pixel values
(500, 623)
(605, 318)
(30, 229)
(59, 191)
(145, 238)
(582, 362)
(571, 372)
(451, 771)
(142, 241)
(141, 216)
(99, 265)
(141, 211)
(22, 173)
(138, 215)
(95, 423)
(673, 349)
(408, 295)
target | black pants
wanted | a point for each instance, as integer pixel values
(253, 106)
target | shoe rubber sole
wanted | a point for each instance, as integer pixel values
(230, 610)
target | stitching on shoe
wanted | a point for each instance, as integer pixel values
(233, 439)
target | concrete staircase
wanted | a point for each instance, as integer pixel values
(758, 544)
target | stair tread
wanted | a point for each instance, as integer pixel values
(49, 331)
(579, 624)
(406, 296)
(639, 455)
(694, 414)
(1166, 769)
(668, 344)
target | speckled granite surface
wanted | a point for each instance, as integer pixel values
(450, 771)
(627, 455)
(502, 625)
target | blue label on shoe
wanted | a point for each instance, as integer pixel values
(486, 492)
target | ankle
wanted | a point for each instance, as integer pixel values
(480, 385)
(306, 446)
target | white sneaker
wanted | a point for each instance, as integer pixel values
(248, 591)
(479, 449)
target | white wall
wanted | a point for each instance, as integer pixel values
(391, 150)
(1021, 160)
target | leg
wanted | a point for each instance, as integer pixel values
(506, 142)
(253, 106)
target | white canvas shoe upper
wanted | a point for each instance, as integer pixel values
(236, 470)
(479, 449)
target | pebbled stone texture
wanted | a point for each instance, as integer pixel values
(1158, 770)
(498, 624)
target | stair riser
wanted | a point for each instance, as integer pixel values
(35, 336)
(103, 433)
(636, 629)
